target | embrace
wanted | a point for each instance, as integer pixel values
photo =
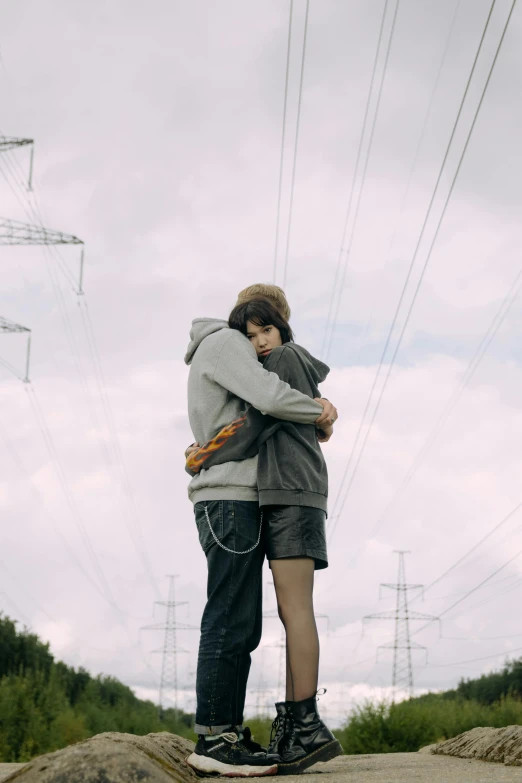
(259, 488)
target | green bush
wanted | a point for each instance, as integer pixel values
(46, 705)
(410, 725)
(260, 728)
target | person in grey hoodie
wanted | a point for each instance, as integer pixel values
(224, 372)
(293, 487)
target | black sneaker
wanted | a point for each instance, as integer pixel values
(226, 755)
(248, 742)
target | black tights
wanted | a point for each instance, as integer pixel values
(294, 584)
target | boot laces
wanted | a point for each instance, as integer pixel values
(278, 727)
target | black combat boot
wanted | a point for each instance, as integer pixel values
(277, 734)
(307, 739)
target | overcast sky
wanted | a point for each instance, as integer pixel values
(158, 140)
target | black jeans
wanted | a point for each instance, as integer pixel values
(232, 621)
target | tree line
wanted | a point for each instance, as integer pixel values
(493, 699)
(46, 705)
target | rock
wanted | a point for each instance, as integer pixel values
(113, 758)
(486, 744)
(427, 748)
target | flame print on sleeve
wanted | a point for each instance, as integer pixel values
(195, 461)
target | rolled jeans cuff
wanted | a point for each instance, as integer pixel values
(211, 730)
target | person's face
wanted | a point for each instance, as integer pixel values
(263, 338)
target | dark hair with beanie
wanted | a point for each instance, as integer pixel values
(262, 313)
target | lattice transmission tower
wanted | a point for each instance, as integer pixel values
(8, 327)
(169, 669)
(8, 143)
(13, 232)
(402, 645)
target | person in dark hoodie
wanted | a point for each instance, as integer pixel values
(224, 374)
(293, 490)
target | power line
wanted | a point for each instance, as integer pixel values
(296, 144)
(15, 607)
(474, 547)
(479, 638)
(40, 608)
(363, 181)
(472, 367)
(41, 503)
(354, 180)
(475, 660)
(455, 593)
(408, 185)
(5, 569)
(473, 589)
(423, 271)
(401, 298)
(16, 233)
(33, 213)
(283, 135)
(494, 597)
(69, 497)
(134, 527)
(424, 129)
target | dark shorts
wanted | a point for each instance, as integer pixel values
(295, 531)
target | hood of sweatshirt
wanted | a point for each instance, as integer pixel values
(316, 369)
(201, 328)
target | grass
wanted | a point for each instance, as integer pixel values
(410, 725)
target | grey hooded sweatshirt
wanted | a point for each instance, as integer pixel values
(224, 374)
(291, 467)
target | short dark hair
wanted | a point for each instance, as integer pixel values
(262, 313)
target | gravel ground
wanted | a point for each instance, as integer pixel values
(391, 768)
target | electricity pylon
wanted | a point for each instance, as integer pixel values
(10, 327)
(402, 677)
(11, 142)
(12, 232)
(170, 650)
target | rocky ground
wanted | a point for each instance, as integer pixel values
(383, 768)
(159, 758)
